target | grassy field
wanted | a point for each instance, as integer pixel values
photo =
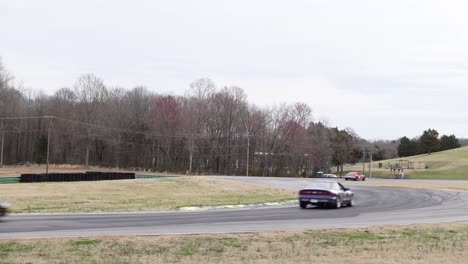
(135, 195)
(428, 244)
(443, 186)
(450, 164)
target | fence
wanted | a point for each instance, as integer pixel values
(13, 179)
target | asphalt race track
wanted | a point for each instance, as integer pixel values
(374, 206)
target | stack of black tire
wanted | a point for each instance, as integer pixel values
(68, 177)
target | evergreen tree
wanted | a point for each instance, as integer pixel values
(403, 147)
(407, 147)
(378, 153)
(449, 142)
(429, 141)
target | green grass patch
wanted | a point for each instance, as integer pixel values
(449, 158)
(7, 248)
(459, 173)
(85, 242)
(449, 165)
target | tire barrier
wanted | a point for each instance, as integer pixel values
(70, 177)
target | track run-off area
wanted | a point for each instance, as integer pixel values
(374, 206)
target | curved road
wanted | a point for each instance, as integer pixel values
(374, 206)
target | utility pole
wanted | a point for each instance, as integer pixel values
(153, 154)
(191, 146)
(87, 149)
(48, 147)
(3, 144)
(363, 161)
(248, 153)
(119, 150)
(370, 166)
(157, 156)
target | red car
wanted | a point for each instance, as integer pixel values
(354, 176)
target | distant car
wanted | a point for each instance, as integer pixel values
(3, 208)
(330, 176)
(354, 176)
(326, 193)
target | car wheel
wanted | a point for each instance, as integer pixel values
(346, 179)
(355, 179)
(338, 203)
(351, 203)
(303, 205)
(363, 179)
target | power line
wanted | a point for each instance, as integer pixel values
(135, 132)
(23, 131)
(26, 117)
(139, 132)
(145, 145)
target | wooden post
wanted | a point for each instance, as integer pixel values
(48, 147)
(87, 149)
(191, 147)
(3, 145)
(248, 154)
(363, 162)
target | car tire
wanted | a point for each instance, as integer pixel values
(346, 179)
(303, 205)
(351, 203)
(337, 203)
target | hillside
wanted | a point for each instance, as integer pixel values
(450, 164)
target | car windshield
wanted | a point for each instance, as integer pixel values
(324, 186)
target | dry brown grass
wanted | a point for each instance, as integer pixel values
(428, 244)
(53, 168)
(135, 195)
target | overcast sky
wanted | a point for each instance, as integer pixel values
(385, 68)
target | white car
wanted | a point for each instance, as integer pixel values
(330, 176)
(326, 193)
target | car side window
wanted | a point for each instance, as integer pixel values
(336, 186)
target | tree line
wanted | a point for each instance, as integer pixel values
(210, 129)
(427, 143)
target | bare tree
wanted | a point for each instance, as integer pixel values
(209, 130)
(90, 93)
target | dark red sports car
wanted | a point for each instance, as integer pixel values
(355, 176)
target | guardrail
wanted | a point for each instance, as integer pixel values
(149, 176)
